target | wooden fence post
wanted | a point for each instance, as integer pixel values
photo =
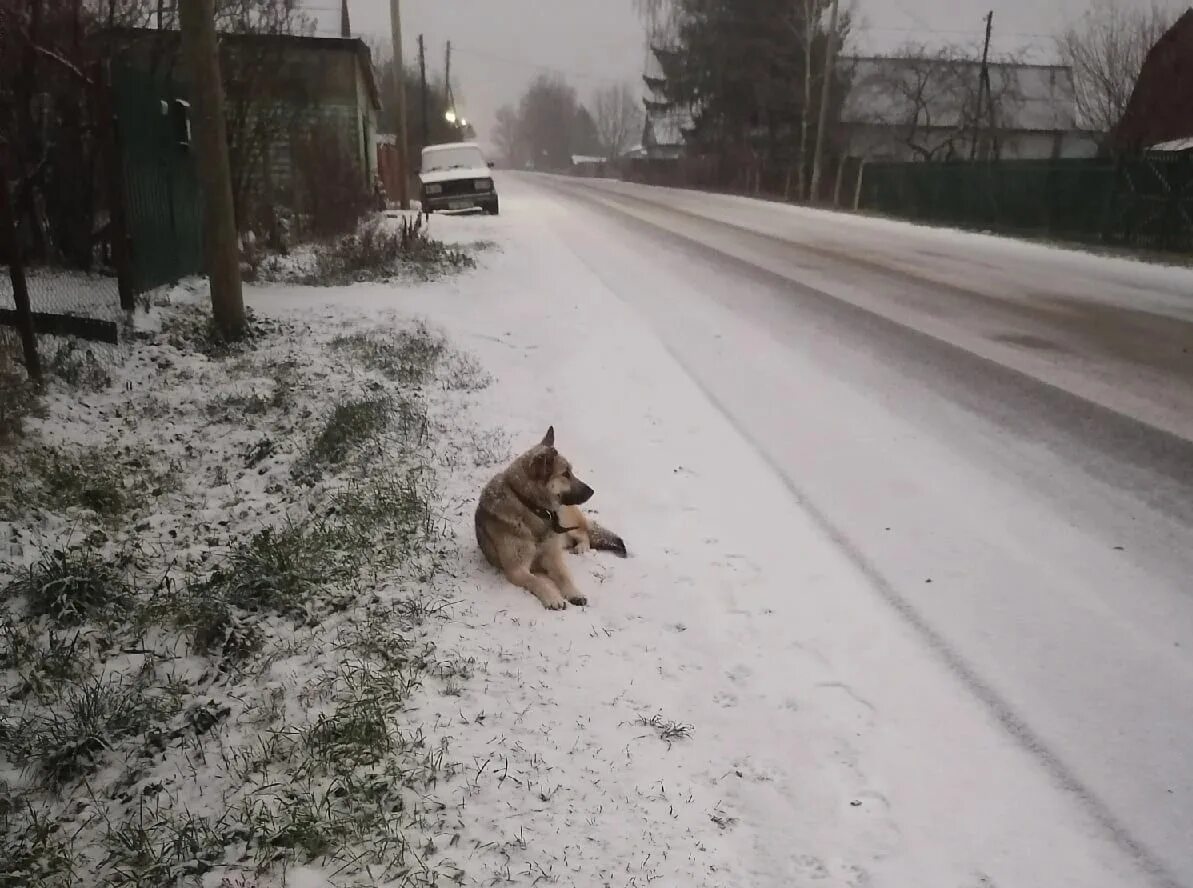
(10, 250)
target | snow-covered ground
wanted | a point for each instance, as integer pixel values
(827, 741)
(1113, 330)
(744, 702)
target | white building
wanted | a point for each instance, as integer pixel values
(908, 108)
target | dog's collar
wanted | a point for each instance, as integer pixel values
(547, 515)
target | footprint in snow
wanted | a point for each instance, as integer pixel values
(739, 673)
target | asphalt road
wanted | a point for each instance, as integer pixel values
(1000, 436)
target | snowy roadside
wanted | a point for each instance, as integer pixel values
(733, 708)
(224, 571)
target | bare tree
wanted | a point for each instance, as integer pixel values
(618, 115)
(507, 133)
(265, 104)
(804, 23)
(1106, 50)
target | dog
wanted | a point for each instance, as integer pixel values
(519, 528)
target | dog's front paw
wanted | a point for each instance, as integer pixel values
(578, 600)
(554, 604)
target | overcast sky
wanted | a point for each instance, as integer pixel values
(499, 45)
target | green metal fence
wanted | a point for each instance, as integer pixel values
(1145, 203)
(163, 201)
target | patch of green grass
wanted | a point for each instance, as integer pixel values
(356, 733)
(413, 356)
(236, 406)
(88, 480)
(42, 664)
(35, 850)
(273, 571)
(463, 373)
(66, 741)
(72, 585)
(408, 356)
(102, 480)
(164, 848)
(391, 514)
(346, 430)
(218, 630)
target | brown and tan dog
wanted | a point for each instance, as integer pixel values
(518, 523)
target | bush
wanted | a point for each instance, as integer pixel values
(379, 251)
(336, 196)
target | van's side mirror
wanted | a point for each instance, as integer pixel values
(492, 164)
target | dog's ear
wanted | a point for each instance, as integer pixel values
(542, 464)
(549, 438)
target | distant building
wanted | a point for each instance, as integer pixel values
(1159, 115)
(908, 108)
(589, 166)
(668, 123)
(310, 84)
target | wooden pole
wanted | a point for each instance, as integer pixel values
(395, 23)
(447, 83)
(825, 94)
(200, 48)
(11, 252)
(422, 73)
(122, 251)
(983, 85)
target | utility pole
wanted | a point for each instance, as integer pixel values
(983, 87)
(200, 49)
(395, 22)
(830, 51)
(422, 74)
(447, 82)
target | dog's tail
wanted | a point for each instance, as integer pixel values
(605, 540)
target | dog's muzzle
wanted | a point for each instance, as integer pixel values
(578, 493)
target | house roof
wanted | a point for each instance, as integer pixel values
(1037, 98)
(1161, 104)
(1175, 145)
(353, 45)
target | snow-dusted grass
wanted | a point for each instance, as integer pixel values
(381, 249)
(18, 397)
(224, 566)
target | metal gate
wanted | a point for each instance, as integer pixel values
(163, 202)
